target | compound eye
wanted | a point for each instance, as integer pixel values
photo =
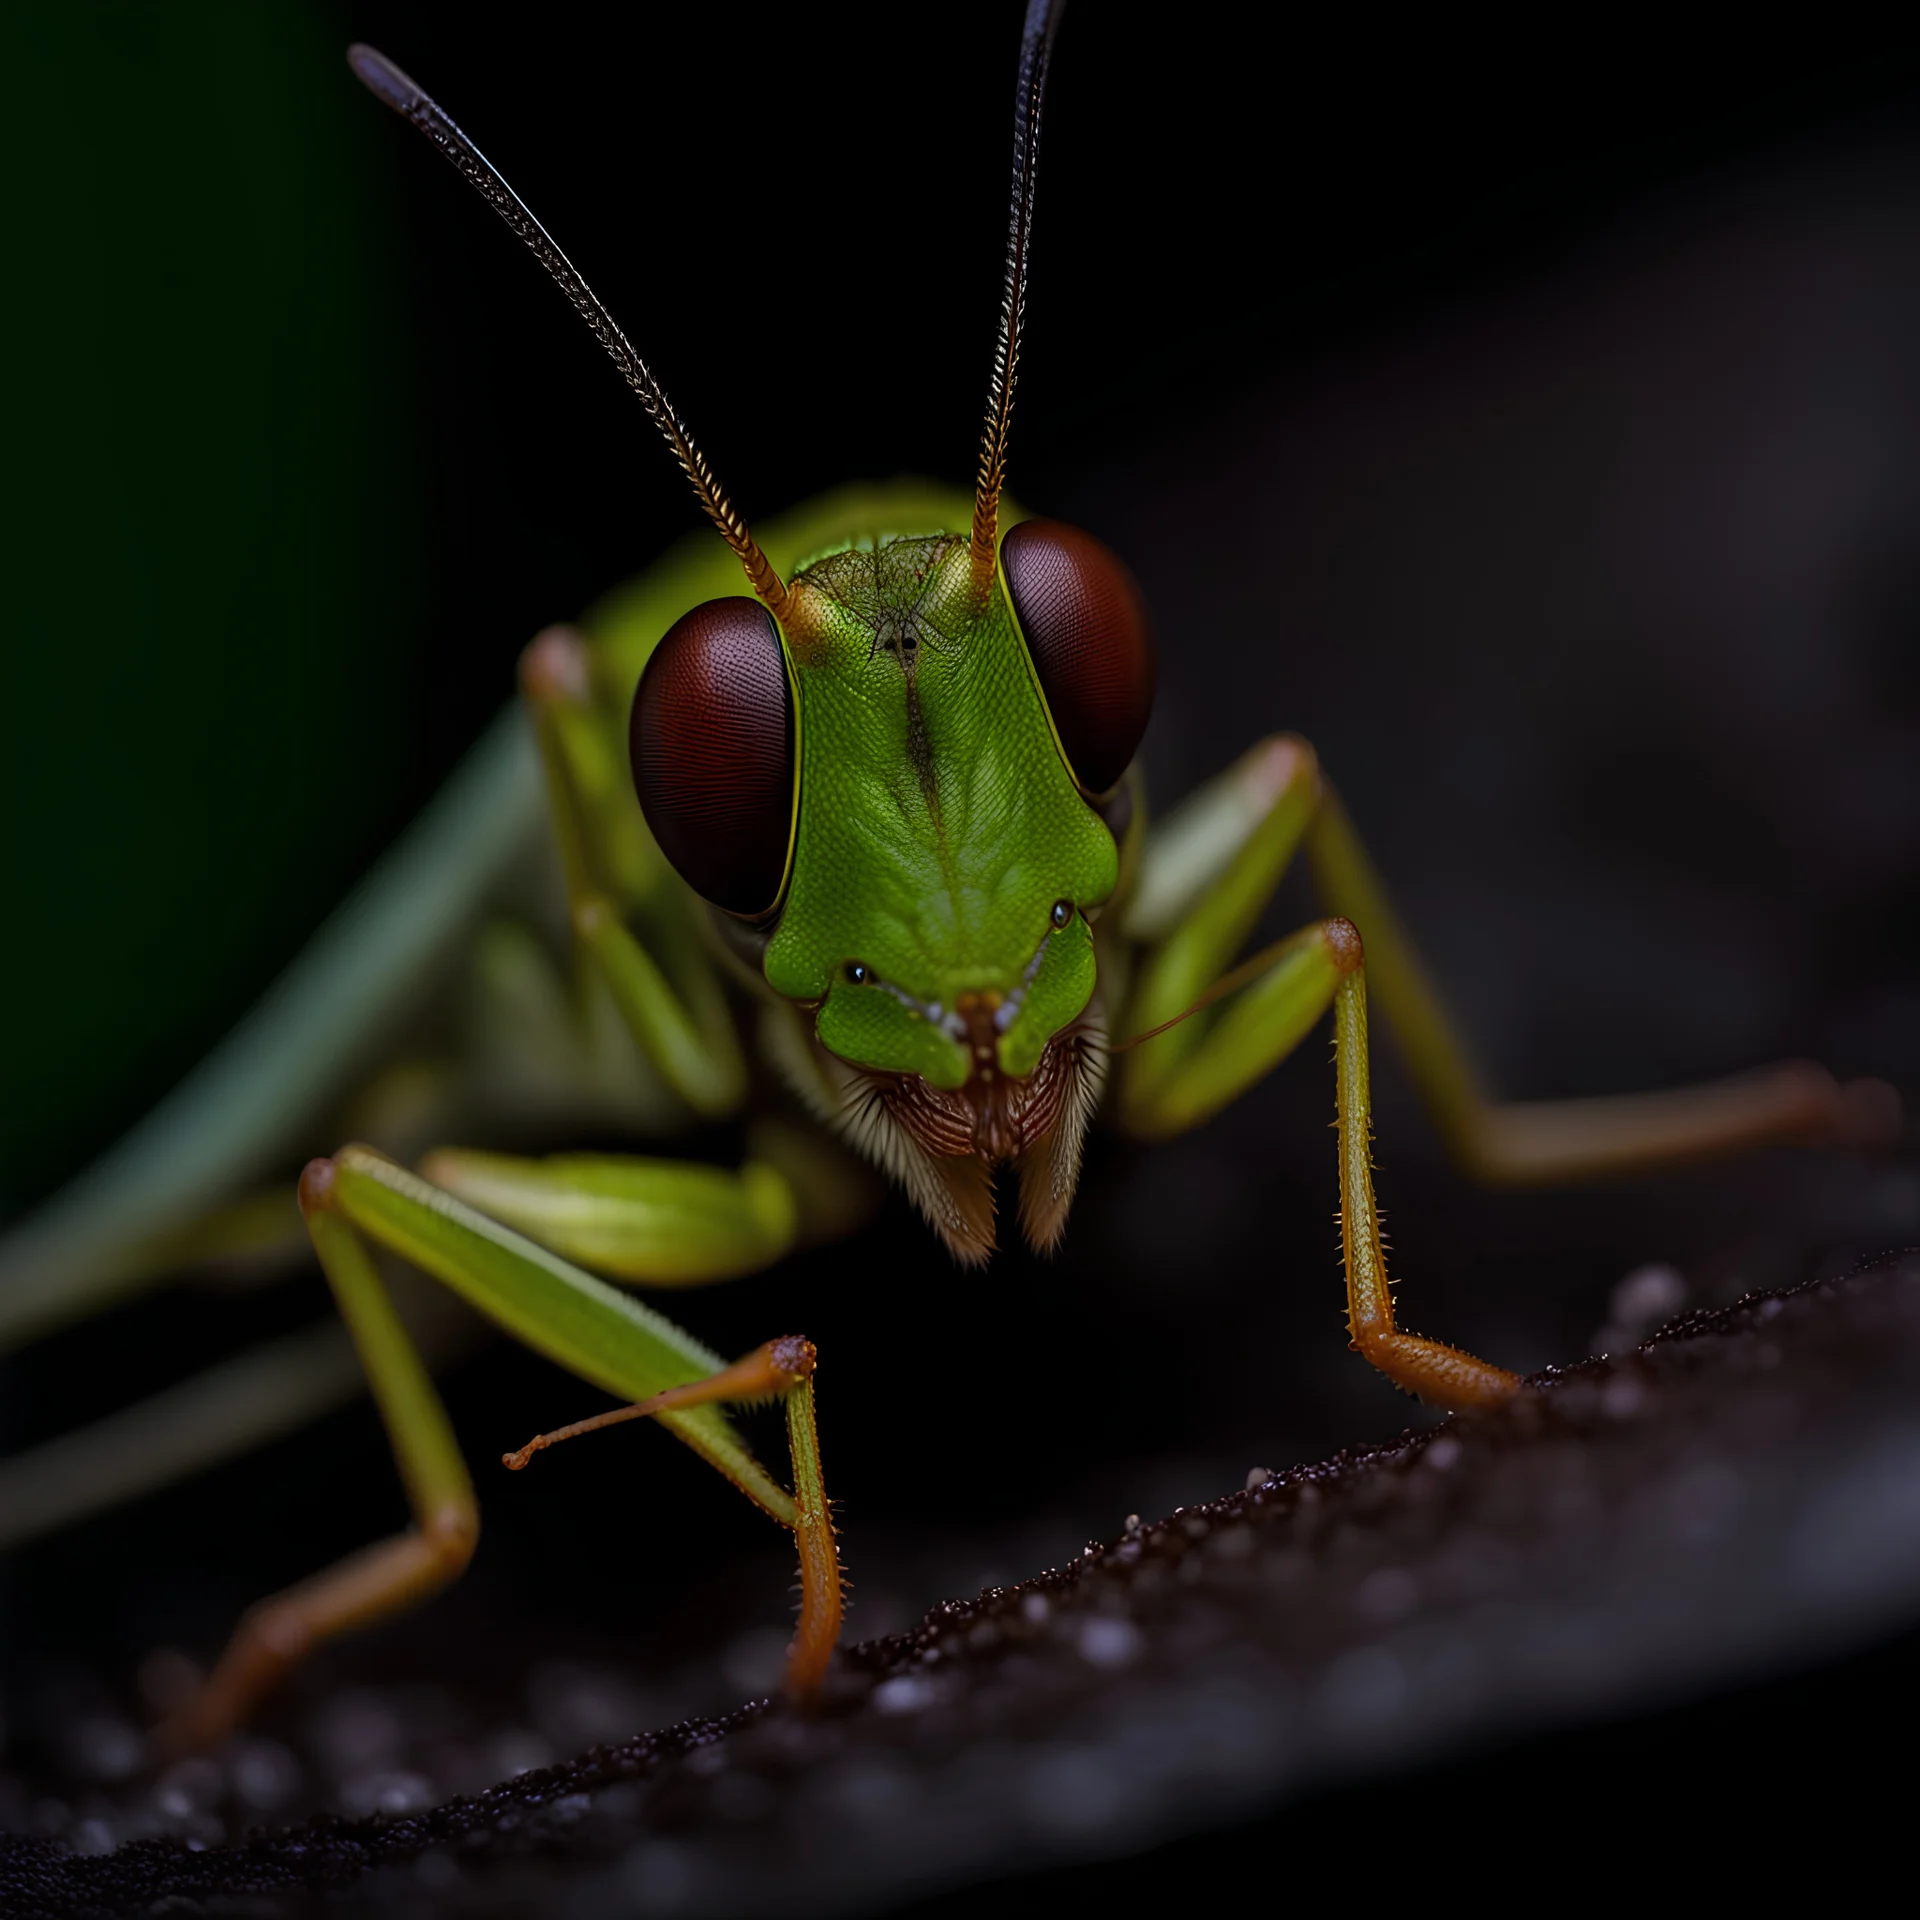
(1086, 628)
(712, 745)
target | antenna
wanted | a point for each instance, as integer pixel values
(1036, 45)
(380, 76)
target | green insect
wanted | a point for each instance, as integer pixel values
(877, 820)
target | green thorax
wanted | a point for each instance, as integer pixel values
(938, 824)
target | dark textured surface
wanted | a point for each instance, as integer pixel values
(1744, 1485)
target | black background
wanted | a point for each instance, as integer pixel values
(1529, 422)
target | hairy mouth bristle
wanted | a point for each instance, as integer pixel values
(945, 1146)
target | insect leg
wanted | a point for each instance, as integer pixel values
(1282, 993)
(1207, 871)
(278, 1633)
(1795, 1100)
(662, 1222)
(255, 1397)
(1206, 876)
(665, 988)
(1276, 998)
(780, 1369)
(670, 1223)
(587, 1326)
(1443, 1375)
(1190, 850)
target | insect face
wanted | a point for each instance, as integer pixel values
(930, 776)
(879, 780)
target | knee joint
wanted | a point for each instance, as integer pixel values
(553, 669)
(792, 1356)
(1344, 946)
(451, 1536)
(316, 1187)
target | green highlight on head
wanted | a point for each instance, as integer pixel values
(938, 822)
(1061, 986)
(868, 1023)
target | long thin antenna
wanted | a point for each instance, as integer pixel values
(1036, 45)
(380, 76)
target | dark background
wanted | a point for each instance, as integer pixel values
(1532, 426)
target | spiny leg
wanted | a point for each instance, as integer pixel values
(1201, 890)
(1522, 1141)
(1271, 1004)
(593, 1329)
(1176, 1075)
(555, 1060)
(1206, 877)
(278, 1633)
(665, 987)
(1443, 1375)
(1283, 992)
(531, 1049)
(780, 1369)
(1215, 862)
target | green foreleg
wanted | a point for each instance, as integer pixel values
(1240, 833)
(670, 997)
(1446, 1376)
(590, 1328)
(781, 1368)
(1186, 1059)
(595, 1331)
(1796, 1100)
(662, 1222)
(698, 1057)
(1206, 876)
(1290, 987)
(278, 1633)
(1259, 1026)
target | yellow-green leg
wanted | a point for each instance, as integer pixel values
(1210, 870)
(1546, 1140)
(1202, 890)
(660, 1222)
(278, 1633)
(593, 1329)
(666, 1223)
(1292, 986)
(661, 979)
(780, 1369)
(1445, 1376)
(1198, 1031)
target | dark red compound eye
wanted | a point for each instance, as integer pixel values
(1086, 628)
(712, 745)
